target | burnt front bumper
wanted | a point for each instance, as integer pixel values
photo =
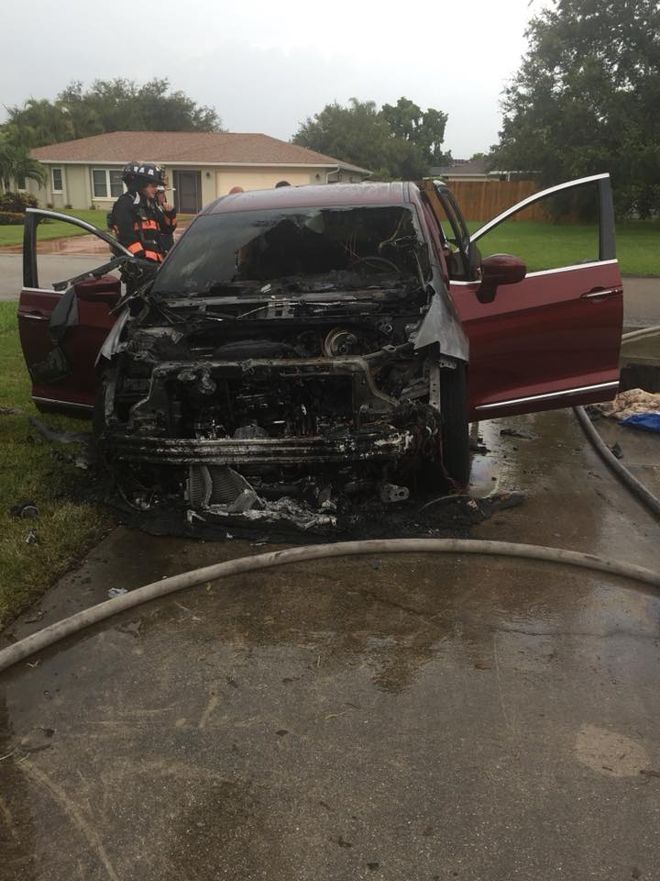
(362, 432)
(368, 445)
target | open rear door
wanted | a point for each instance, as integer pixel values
(60, 351)
(552, 339)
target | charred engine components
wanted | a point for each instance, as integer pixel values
(219, 485)
(340, 342)
(391, 492)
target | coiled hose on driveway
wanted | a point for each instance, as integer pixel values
(636, 487)
(650, 501)
(101, 612)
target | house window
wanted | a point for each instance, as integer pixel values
(106, 183)
(56, 179)
(99, 183)
(21, 184)
(116, 185)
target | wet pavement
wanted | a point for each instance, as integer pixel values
(73, 246)
(400, 718)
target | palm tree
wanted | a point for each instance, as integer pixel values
(16, 164)
(39, 122)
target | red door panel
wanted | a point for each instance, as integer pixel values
(554, 334)
(552, 339)
(63, 374)
(80, 345)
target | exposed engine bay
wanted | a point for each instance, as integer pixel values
(282, 370)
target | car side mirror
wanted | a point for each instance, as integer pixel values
(496, 270)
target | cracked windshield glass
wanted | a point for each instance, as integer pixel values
(227, 252)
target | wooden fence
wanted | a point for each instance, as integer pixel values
(483, 200)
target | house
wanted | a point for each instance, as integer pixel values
(201, 166)
(474, 170)
(463, 169)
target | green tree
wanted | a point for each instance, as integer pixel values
(425, 129)
(108, 105)
(38, 122)
(16, 164)
(392, 142)
(355, 134)
(586, 98)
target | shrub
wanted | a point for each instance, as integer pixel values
(11, 218)
(68, 206)
(16, 203)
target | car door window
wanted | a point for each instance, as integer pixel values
(50, 261)
(459, 253)
(62, 321)
(559, 228)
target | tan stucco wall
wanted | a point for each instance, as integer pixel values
(265, 178)
(208, 186)
(77, 186)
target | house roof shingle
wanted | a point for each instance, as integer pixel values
(200, 148)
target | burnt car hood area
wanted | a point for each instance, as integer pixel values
(287, 365)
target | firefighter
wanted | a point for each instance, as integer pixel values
(167, 216)
(135, 217)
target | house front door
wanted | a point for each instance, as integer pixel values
(188, 191)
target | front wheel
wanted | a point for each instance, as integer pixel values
(98, 413)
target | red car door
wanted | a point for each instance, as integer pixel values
(552, 339)
(63, 374)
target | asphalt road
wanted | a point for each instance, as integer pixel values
(404, 718)
(641, 299)
(52, 268)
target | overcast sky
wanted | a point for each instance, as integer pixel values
(266, 66)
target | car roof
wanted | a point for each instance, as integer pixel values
(322, 196)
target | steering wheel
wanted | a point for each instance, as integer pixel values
(383, 261)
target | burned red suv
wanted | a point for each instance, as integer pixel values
(301, 347)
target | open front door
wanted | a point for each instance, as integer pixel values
(552, 339)
(60, 355)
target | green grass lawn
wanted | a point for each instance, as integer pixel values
(54, 229)
(33, 469)
(548, 245)
(60, 229)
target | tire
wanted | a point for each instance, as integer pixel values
(455, 428)
(98, 413)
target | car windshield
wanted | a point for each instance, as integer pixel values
(224, 253)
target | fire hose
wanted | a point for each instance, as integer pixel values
(88, 617)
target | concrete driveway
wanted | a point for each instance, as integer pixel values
(398, 718)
